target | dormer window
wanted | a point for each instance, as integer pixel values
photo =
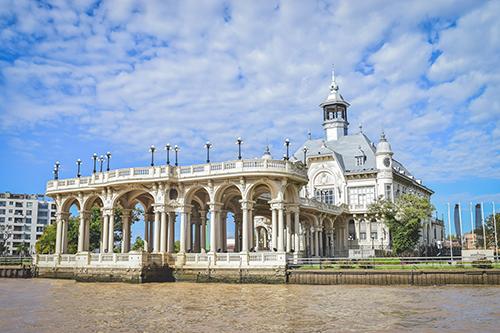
(360, 160)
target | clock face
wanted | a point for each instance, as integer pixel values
(387, 162)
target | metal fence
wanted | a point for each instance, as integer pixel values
(16, 260)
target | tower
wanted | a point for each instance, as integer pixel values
(334, 113)
(383, 157)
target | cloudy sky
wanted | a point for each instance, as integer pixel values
(80, 77)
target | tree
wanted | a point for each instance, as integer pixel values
(23, 249)
(138, 244)
(489, 227)
(403, 218)
(47, 242)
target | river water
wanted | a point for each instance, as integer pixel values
(40, 305)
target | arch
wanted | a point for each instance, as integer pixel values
(92, 201)
(68, 202)
(253, 189)
(291, 193)
(196, 190)
(221, 190)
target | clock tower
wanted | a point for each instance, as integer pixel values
(383, 157)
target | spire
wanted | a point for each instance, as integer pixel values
(334, 96)
(267, 154)
(334, 86)
(382, 137)
(383, 146)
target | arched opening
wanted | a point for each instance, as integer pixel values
(230, 231)
(266, 218)
(133, 226)
(196, 234)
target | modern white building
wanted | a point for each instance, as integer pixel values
(24, 217)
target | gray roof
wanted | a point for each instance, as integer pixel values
(344, 150)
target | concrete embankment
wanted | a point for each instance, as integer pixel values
(15, 271)
(395, 277)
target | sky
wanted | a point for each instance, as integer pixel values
(80, 77)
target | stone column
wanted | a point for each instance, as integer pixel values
(236, 235)
(245, 207)
(156, 235)
(223, 230)
(163, 231)
(321, 242)
(274, 226)
(251, 231)
(281, 229)
(111, 232)
(65, 234)
(316, 243)
(196, 246)
(146, 233)
(213, 227)
(81, 232)
(59, 222)
(105, 233)
(182, 248)
(296, 230)
(171, 232)
(288, 231)
(203, 236)
(189, 233)
(125, 230)
(86, 242)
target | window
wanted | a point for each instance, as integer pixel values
(360, 197)
(360, 160)
(28, 220)
(374, 235)
(326, 195)
(2, 203)
(41, 221)
(44, 214)
(27, 228)
(2, 211)
(43, 205)
(18, 212)
(39, 229)
(435, 233)
(2, 219)
(388, 191)
(28, 212)
(29, 204)
(18, 220)
(362, 235)
(351, 228)
(19, 204)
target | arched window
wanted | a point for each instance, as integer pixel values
(351, 229)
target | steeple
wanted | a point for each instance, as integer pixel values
(334, 112)
(267, 154)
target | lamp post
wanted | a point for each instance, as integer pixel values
(208, 145)
(305, 149)
(239, 142)
(373, 240)
(56, 170)
(284, 157)
(101, 160)
(167, 148)
(152, 150)
(176, 149)
(108, 155)
(287, 144)
(78, 163)
(94, 157)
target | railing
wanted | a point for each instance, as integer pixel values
(15, 260)
(313, 203)
(405, 263)
(201, 170)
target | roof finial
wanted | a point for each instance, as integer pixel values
(382, 136)
(309, 134)
(360, 128)
(334, 85)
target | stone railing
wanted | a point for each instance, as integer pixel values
(232, 260)
(119, 260)
(322, 207)
(179, 173)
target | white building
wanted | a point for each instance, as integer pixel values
(24, 217)
(349, 169)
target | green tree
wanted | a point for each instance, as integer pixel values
(403, 218)
(23, 249)
(47, 242)
(489, 227)
(138, 244)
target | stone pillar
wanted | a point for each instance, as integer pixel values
(59, 223)
(65, 234)
(245, 207)
(274, 228)
(111, 233)
(203, 236)
(321, 242)
(171, 232)
(236, 235)
(163, 231)
(105, 233)
(213, 227)
(196, 246)
(146, 233)
(251, 231)
(81, 233)
(281, 229)
(125, 230)
(86, 242)
(316, 243)
(288, 231)
(223, 230)
(189, 233)
(156, 235)
(296, 246)
(182, 248)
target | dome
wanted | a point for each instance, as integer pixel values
(383, 146)
(267, 154)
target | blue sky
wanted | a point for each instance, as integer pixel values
(80, 77)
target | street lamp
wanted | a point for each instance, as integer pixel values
(167, 148)
(305, 149)
(108, 155)
(94, 157)
(101, 160)
(287, 144)
(56, 170)
(284, 157)
(239, 142)
(78, 163)
(152, 150)
(373, 240)
(176, 149)
(208, 145)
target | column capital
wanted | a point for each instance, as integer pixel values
(277, 204)
(247, 204)
(215, 205)
(108, 211)
(184, 208)
(85, 214)
(126, 211)
(62, 215)
(159, 208)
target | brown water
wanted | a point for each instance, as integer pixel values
(39, 305)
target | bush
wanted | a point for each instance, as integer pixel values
(485, 264)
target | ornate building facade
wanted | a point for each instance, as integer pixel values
(313, 204)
